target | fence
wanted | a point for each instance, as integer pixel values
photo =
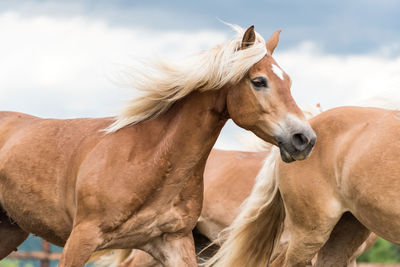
(45, 255)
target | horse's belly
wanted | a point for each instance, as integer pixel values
(373, 200)
(34, 212)
(379, 212)
(384, 223)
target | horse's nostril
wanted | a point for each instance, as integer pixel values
(299, 141)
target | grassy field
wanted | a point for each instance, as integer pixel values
(15, 263)
(382, 251)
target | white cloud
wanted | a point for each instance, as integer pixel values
(64, 67)
(335, 80)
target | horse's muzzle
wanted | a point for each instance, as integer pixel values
(297, 146)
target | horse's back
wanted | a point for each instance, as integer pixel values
(10, 122)
(16, 117)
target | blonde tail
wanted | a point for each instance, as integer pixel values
(253, 235)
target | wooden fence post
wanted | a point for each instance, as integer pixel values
(46, 250)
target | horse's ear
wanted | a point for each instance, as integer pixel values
(273, 42)
(249, 38)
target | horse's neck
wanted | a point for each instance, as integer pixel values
(193, 125)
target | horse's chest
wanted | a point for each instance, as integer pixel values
(177, 205)
(163, 214)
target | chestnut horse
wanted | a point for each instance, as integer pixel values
(140, 184)
(229, 177)
(332, 201)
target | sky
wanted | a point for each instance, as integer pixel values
(65, 59)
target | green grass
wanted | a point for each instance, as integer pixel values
(9, 263)
(14, 263)
(382, 251)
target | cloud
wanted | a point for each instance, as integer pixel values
(65, 67)
(335, 80)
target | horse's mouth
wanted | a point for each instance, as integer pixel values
(293, 155)
(285, 155)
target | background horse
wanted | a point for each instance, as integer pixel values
(332, 201)
(140, 185)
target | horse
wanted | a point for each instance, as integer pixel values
(226, 185)
(136, 180)
(332, 201)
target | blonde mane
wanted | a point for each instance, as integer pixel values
(162, 83)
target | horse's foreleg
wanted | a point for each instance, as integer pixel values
(345, 240)
(83, 241)
(174, 250)
(11, 235)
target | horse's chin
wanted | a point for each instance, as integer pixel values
(289, 153)
(285, 155)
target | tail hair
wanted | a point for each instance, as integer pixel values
(255, 233)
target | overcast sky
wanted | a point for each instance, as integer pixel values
(64, 58)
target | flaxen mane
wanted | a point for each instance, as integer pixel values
(163, 83)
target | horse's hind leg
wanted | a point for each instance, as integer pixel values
(344, 242)
(11, 235)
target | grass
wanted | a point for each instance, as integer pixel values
(383, 252)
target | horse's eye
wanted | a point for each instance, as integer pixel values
(259, 83)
